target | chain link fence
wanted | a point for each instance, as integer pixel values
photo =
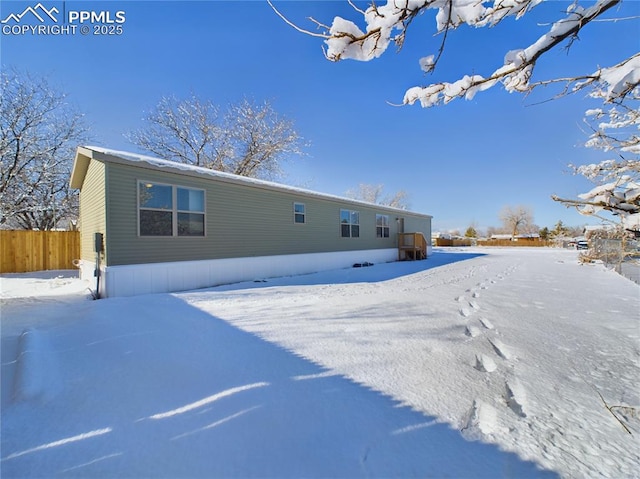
(621, 255)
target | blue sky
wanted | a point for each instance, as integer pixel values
(461, 163)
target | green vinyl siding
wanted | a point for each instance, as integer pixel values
(241, 220)
(414, 224)
(92, 209)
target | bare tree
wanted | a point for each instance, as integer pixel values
(250, 139)
(38, 134)
(492, 230)
(186, 131)
(516, 218)
(259, 139)
(375, 194)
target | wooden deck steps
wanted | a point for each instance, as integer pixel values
(411, 246)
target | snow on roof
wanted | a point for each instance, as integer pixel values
(158, 163)
(501, 236)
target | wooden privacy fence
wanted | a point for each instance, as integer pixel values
(492, 242)
(516, 242)
(25, 251)
(454, 242)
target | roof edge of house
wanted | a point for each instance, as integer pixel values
(84, 155)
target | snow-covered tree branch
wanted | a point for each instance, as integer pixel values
(617, 126)
(381, 26)
(250, 139)
(617, 181)
(616, 190)
(38, 136)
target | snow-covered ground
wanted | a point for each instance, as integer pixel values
(474, 363)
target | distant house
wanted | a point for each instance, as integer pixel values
(527, 236)
(439, 235)
(150, 225)
(507, 237)
(510, 237)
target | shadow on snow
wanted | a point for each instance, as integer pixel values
(154, 387)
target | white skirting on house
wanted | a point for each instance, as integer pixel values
(131, 280)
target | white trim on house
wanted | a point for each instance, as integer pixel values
(131, 280)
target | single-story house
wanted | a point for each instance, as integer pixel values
(149, 225)
(510, 237)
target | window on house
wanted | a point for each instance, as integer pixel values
(166, 210)
(190, 212)
(156, 209)
(349, 224)
(382, 226)
(299, 213)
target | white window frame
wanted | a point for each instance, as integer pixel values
(174, 209)
(351, 224)
(297, 213)
(384, 226)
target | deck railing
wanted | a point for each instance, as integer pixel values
(411, 246)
